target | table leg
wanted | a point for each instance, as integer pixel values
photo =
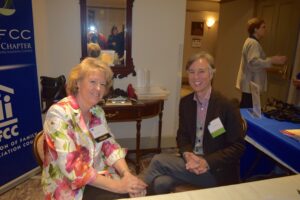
(138, 140)
(159, 131)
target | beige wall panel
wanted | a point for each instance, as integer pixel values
(232, 33)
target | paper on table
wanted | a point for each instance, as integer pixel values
(294, 133)
(291, 131)
(118, 101)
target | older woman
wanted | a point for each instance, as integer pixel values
(79, 147)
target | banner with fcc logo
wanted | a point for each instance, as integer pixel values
(20, 115)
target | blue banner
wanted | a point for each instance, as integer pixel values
(20, 115)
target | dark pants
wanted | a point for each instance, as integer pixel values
(246, 100)
(93, 193)
(166, 171)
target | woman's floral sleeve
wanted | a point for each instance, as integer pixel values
(112, 151)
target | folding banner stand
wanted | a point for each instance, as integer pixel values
(20, 115)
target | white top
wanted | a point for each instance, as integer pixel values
(253, 66)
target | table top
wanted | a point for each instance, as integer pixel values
(287, 188)
(265, 132)
(136, 103)
(139, 110)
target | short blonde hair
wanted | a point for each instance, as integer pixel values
(93, 50)
(86, 66)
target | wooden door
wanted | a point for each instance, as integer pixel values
(282, 19)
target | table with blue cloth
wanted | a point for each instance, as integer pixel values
(264, 134)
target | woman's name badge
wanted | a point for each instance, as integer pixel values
(100, 133)
(216, 127)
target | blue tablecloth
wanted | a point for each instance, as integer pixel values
(266, 132)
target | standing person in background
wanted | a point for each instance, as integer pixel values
(121, 36)
(82, 159)
(113, 41)
(254, 63)
(209, 137)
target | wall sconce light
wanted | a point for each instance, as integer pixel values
(210, 22)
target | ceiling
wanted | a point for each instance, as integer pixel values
(121, 3)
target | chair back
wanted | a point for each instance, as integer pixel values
(244, 125)
(38, 148)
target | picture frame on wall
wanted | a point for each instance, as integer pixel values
(197, 28)
(196, 42)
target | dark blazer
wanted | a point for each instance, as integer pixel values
(223, 152)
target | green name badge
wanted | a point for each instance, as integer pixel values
(216, 128)
(218, 132)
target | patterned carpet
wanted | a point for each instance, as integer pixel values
(31, 189)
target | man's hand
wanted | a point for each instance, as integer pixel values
(195, 164)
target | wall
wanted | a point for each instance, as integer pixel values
(157, 43)
(198, 11)
(57, 34)
(294, 93)
(232, 34)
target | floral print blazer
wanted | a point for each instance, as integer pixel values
(73, 157)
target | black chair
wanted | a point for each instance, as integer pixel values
(52, 90)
